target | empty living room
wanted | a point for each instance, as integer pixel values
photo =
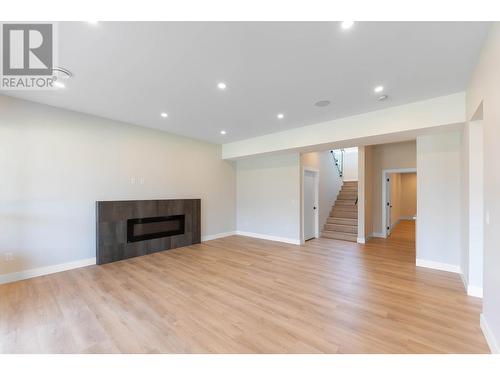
(210, 181)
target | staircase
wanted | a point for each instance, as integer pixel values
(343, 221)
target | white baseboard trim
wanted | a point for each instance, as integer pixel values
(34, 272)
(378, 235)
(361, 240)
(268, 237)
(462, 277)
(488, 335)
(438, 266)
(406, 218)
(475, 291)
(217, 235)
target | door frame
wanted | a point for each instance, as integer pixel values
(315, 172)
(385, 174)
(388, 206)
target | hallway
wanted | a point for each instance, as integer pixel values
(401, 242)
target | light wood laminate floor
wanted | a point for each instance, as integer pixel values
(244, 295)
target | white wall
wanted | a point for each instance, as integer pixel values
(484, 89)
(403, 196)
(350, 171)
(472, 207)
(268, 197)
(365, 192)
(330, 182)
(408, 195)
(465, 178)
(476, 207)
(395, 199)
(55, 164)
(418, 116)
(438, 200)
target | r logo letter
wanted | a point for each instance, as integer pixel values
(35, 43)
(27, 49)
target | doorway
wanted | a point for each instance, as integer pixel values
(399, 197)
(310, 201)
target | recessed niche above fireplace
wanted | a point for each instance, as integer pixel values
(127, 229)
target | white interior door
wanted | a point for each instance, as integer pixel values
(309, 205)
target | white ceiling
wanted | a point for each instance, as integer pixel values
(133, 71)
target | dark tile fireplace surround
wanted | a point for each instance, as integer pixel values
(127, 229)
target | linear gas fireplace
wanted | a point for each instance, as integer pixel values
(127, 229)
(148, 228)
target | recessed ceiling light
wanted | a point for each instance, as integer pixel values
(59, 84)
(346, 25)
(382, 97)
(221, 85)
(378, 89)
(322, 103)
(280, 115)
(164, 114)
(93, 22)
(223, 132)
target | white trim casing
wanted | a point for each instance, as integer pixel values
(488, 335)
(293, 241)
(34, 272)
(438, 266)
(210, 237)
(360, 240)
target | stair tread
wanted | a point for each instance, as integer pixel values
(335, 232)
(339, 235)
(338, 211)
(342, 221)
(342, 225)
(345, 208)
(344, 212)
(350, 229)
(344, 215)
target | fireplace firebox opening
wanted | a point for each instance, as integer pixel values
(148, 228)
